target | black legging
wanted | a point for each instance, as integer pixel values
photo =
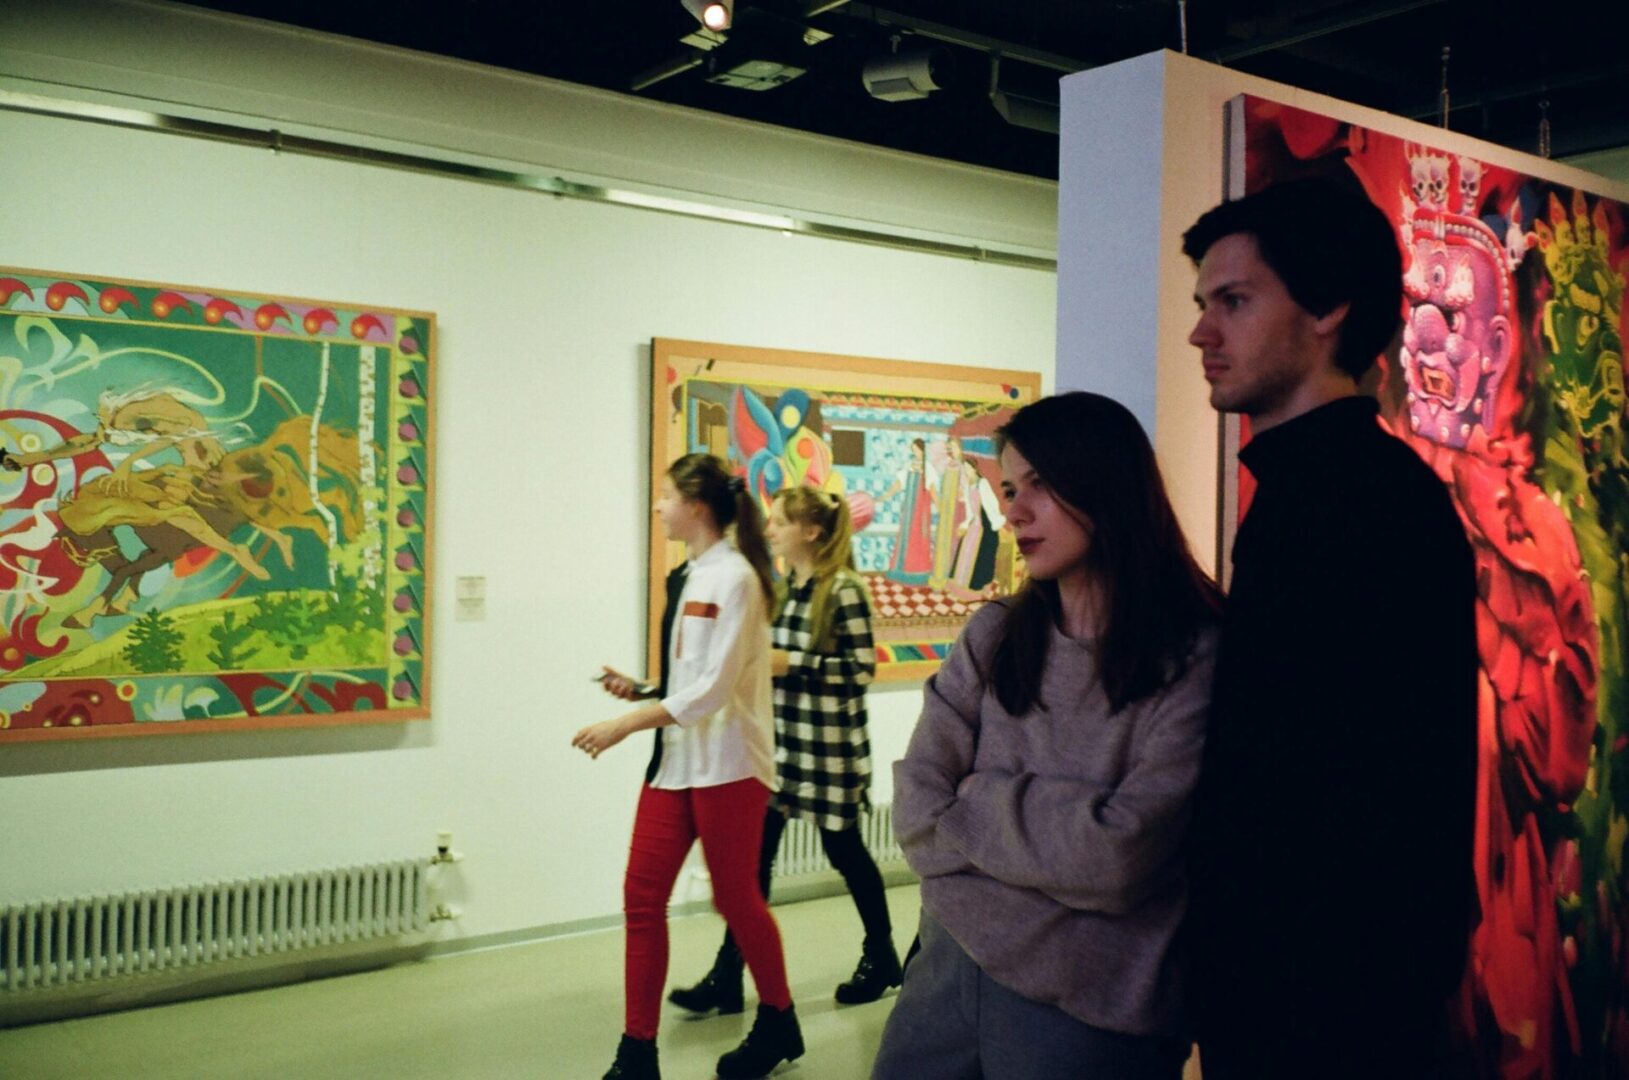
(848, 856)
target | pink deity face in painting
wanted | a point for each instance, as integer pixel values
(1457, 340)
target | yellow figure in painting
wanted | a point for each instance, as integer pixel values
(175, 507)
(950, 513)
(149, 418)
(146, 421)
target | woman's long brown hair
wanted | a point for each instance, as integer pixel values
(707, 479)
(1094, 456)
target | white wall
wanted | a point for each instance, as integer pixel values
(203, 64)
(546, 307)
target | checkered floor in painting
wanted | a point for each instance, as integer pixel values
(891, 600)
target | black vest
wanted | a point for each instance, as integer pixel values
(675, 589)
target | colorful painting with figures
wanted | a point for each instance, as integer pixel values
(1510, 384)
(910, 447)
(214, 510)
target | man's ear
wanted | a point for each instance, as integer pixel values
(1328, 325)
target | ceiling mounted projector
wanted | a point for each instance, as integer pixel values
(906, 76)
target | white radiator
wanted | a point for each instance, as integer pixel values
(72, 941)
(801, 853)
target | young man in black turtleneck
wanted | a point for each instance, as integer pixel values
(1332, 894)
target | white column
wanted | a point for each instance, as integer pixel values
(1111, 152)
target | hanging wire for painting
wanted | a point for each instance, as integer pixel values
(1442, 95)
(1544, 128)
(1182, 23)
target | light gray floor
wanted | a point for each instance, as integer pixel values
(551, 1010)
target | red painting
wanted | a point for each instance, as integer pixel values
(1509, 382)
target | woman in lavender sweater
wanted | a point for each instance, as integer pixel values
(1047, 787)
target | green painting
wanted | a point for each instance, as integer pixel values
(213, 510)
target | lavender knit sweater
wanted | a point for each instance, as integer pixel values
(1049, 845)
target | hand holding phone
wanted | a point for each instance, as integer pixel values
(623, 686)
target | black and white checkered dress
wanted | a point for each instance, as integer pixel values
(822, 752)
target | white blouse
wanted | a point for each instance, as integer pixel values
(719, 688)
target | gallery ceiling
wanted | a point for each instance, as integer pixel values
(1510, 63)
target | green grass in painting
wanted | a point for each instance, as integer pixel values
(298, 629)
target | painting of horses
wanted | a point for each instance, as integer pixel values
(909, 446)
(214, 509)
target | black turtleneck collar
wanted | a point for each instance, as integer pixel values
(1329, 430)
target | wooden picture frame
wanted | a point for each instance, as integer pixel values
(849, 424)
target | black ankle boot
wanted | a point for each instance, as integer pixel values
(775, 1037)
(719, 989)
(636, 1060)
(877, 971)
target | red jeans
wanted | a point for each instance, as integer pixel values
(729, 819)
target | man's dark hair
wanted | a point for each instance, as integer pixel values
(1329, 245)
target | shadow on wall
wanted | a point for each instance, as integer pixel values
(39, 759)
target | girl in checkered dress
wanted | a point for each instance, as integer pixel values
(822, 662)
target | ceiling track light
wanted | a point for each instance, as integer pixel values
(715, 15)
(1021, 110)
(910, 75)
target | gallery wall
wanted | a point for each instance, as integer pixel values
(546, 307)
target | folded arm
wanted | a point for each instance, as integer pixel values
(940, 754)
(1090, 846)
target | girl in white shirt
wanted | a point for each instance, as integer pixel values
(716, 772)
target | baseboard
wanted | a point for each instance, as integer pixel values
(783, 891)
(140, 990)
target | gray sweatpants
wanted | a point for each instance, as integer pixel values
(953, 1022)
